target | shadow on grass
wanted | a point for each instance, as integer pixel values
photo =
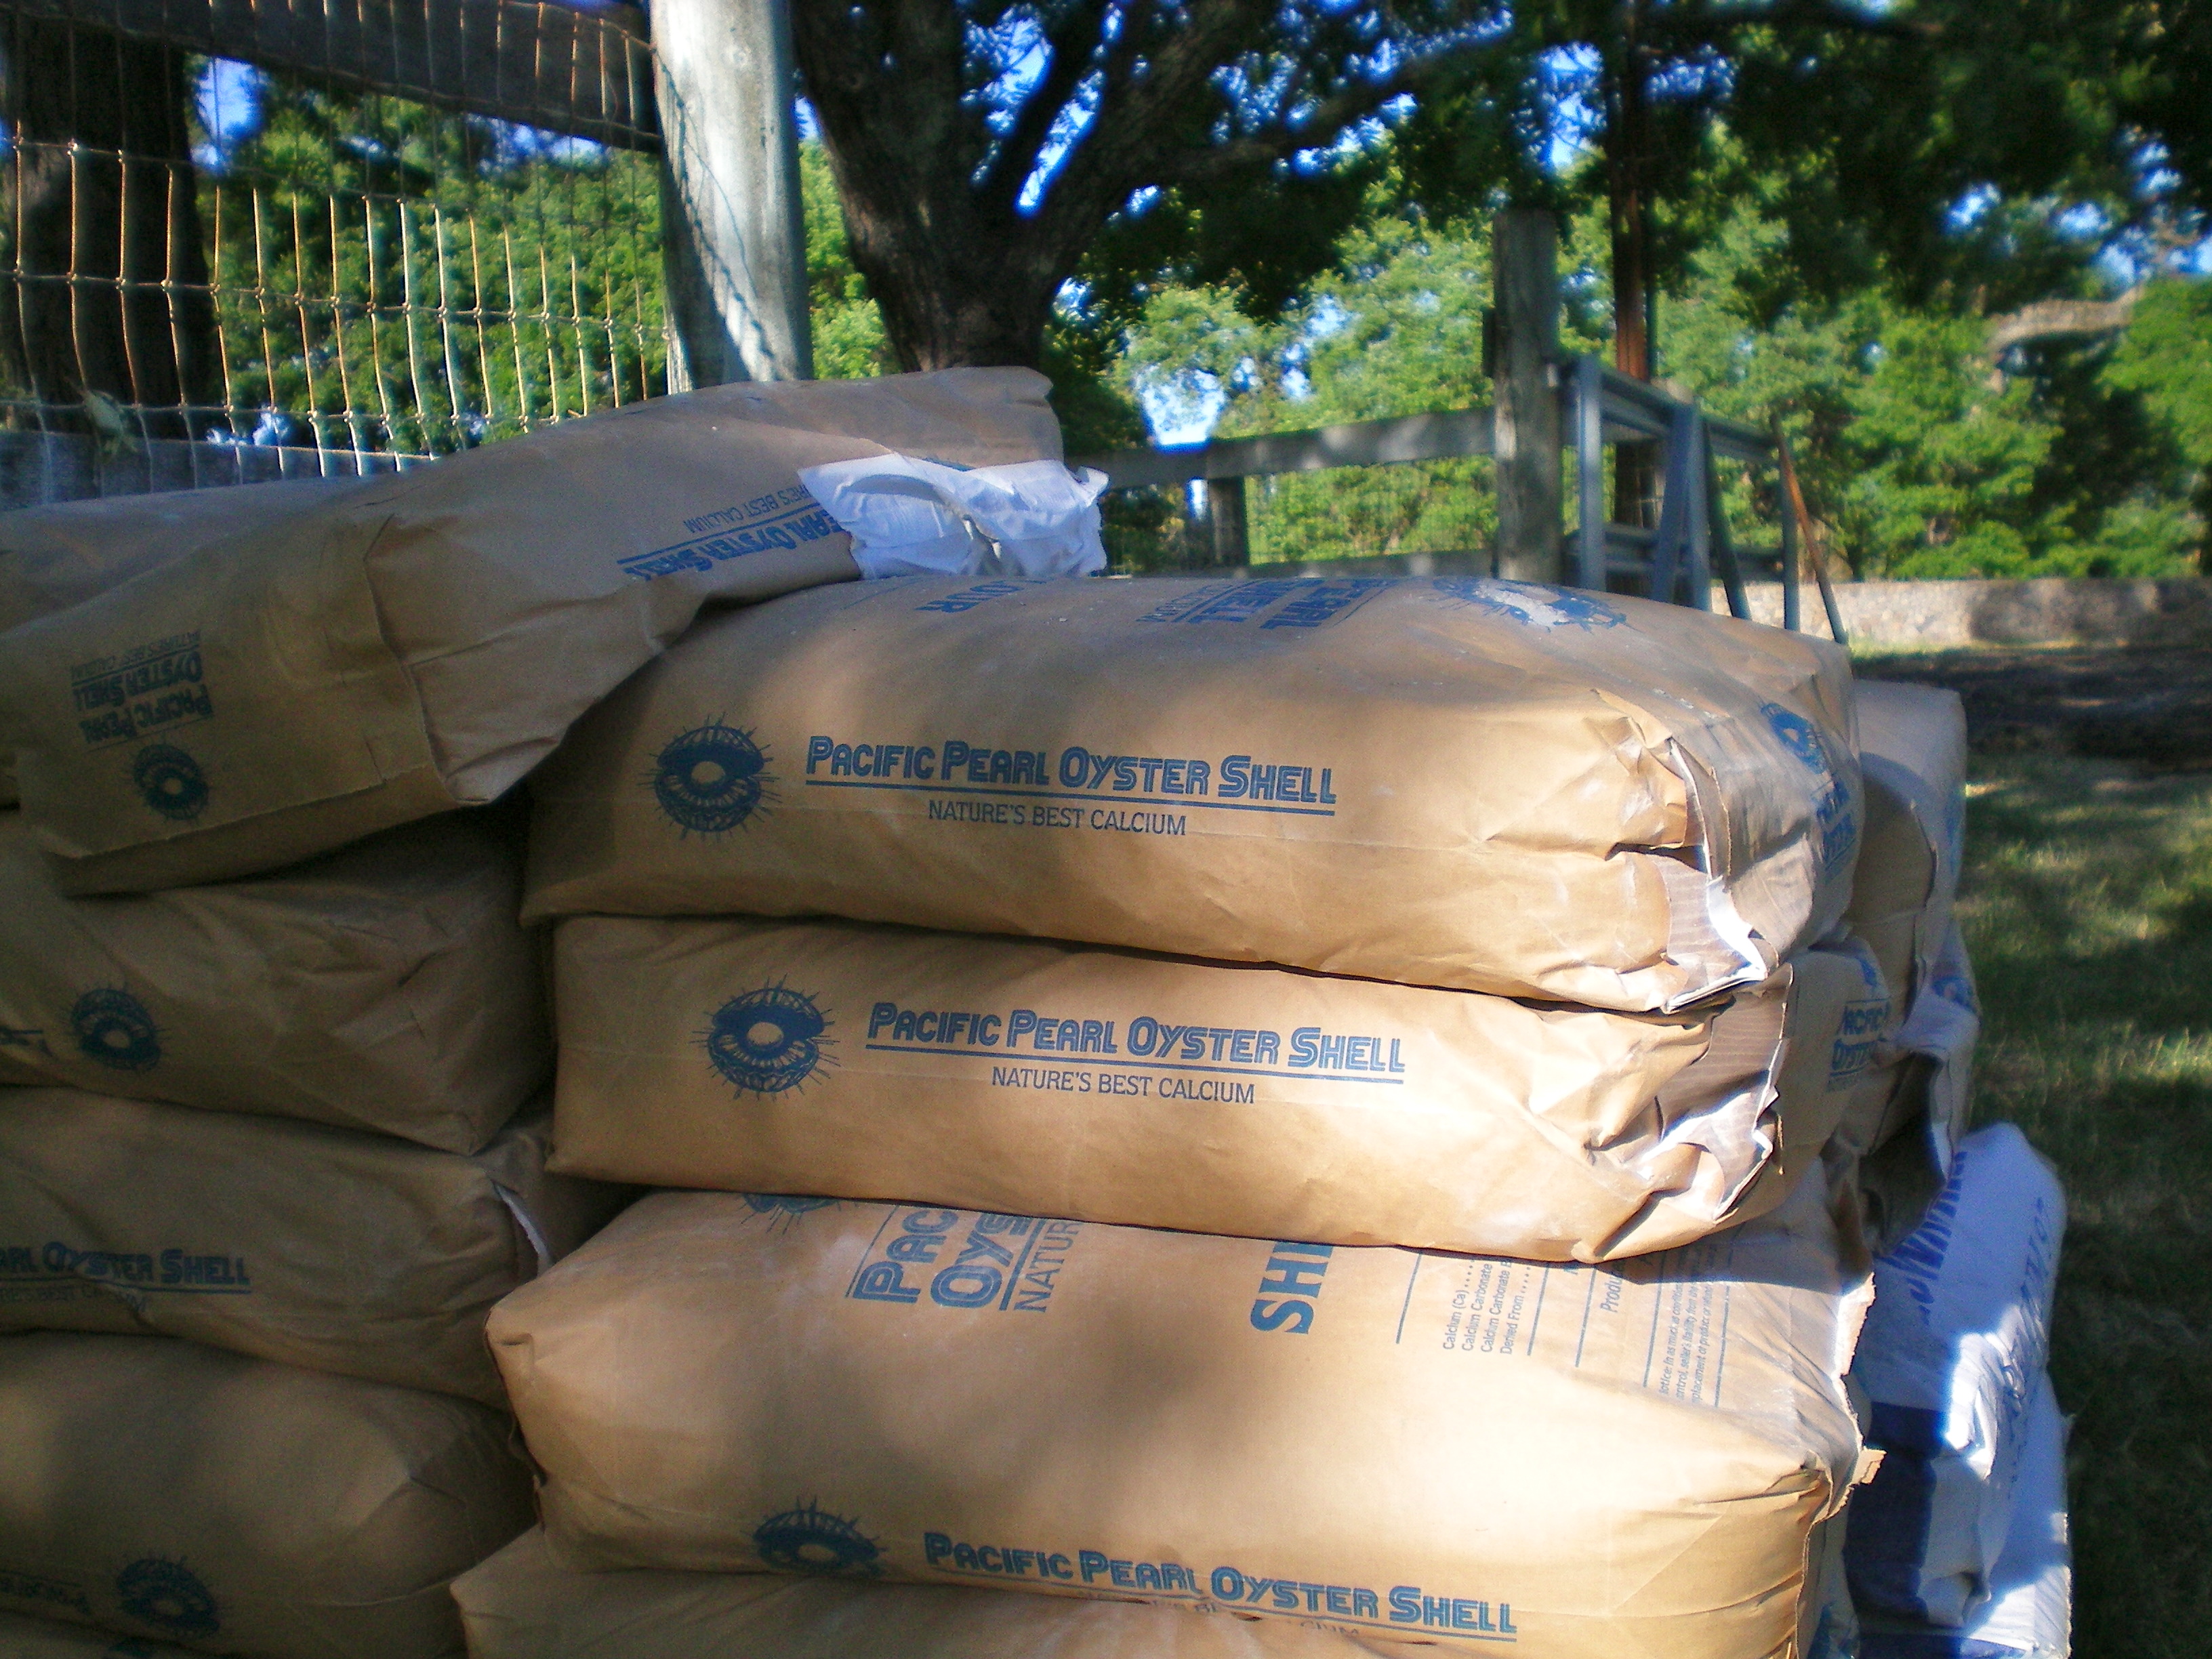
(2088, 915)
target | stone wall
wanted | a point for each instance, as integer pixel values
(2089, 610)
(1924, 615)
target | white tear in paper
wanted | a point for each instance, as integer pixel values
(907, 517)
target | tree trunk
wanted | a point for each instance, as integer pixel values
(110, 290)
(944, 307)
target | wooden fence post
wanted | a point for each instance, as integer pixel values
(732, 234)
(1524, 257)
(1225, 522)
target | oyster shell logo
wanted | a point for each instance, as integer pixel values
(169, 1595)
(1798, 736)
(782, 1212)
(169, 782)
(711, 779)
(1534, 603)
(768, 1040)
(809, 1539)
(113, 1029)
(784, 1204)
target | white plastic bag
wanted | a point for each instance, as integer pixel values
(1951, 1357)
(1943, 1026)
(2030, 1612)
(1032, 520)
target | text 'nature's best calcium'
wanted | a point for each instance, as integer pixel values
(1480, 1453)
(867, 1061)
(411, 643)
(1478, 784)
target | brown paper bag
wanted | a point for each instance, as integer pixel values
(1106, 1085)
(1913, 747)
(162, 1489)
(24, 1638)
(322, 1248)
(1911, 1109)
(387, 986)
(520, 1605)
(1477, 784)
(1592, 1461)
(52, 557)
(419, 641)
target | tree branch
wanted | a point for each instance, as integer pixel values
(2055, 319)
(1329, 118)
(1142, 120)
(1072, 46)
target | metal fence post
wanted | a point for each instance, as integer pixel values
(733, 234)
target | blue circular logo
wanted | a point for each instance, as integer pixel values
(814, 1541)
(114, 1029)
(767, 1040)
(170, 781)
(711, 779)
(784, 1204)
(169, 1595)
(1799, 736)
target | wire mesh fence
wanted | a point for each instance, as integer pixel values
(277, 249)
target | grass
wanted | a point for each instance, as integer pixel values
(2088, 912)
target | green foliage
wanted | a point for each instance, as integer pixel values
(1918, 457)
(1947, 463)
(1393, 327)
(2088, 910)
(849, 329)
(422, 282)
(2165, 360)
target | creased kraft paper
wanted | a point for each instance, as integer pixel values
(1478, 784)
(518, 1605)
(1913, 747)
(419, 641)
(161, 1489)
(323, 1248)
(385, 986)
(52, 557)
(1486, 1454)
(868, 1061)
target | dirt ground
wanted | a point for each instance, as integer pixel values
(2152, 705)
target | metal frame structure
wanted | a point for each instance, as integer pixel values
(1676, 560)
